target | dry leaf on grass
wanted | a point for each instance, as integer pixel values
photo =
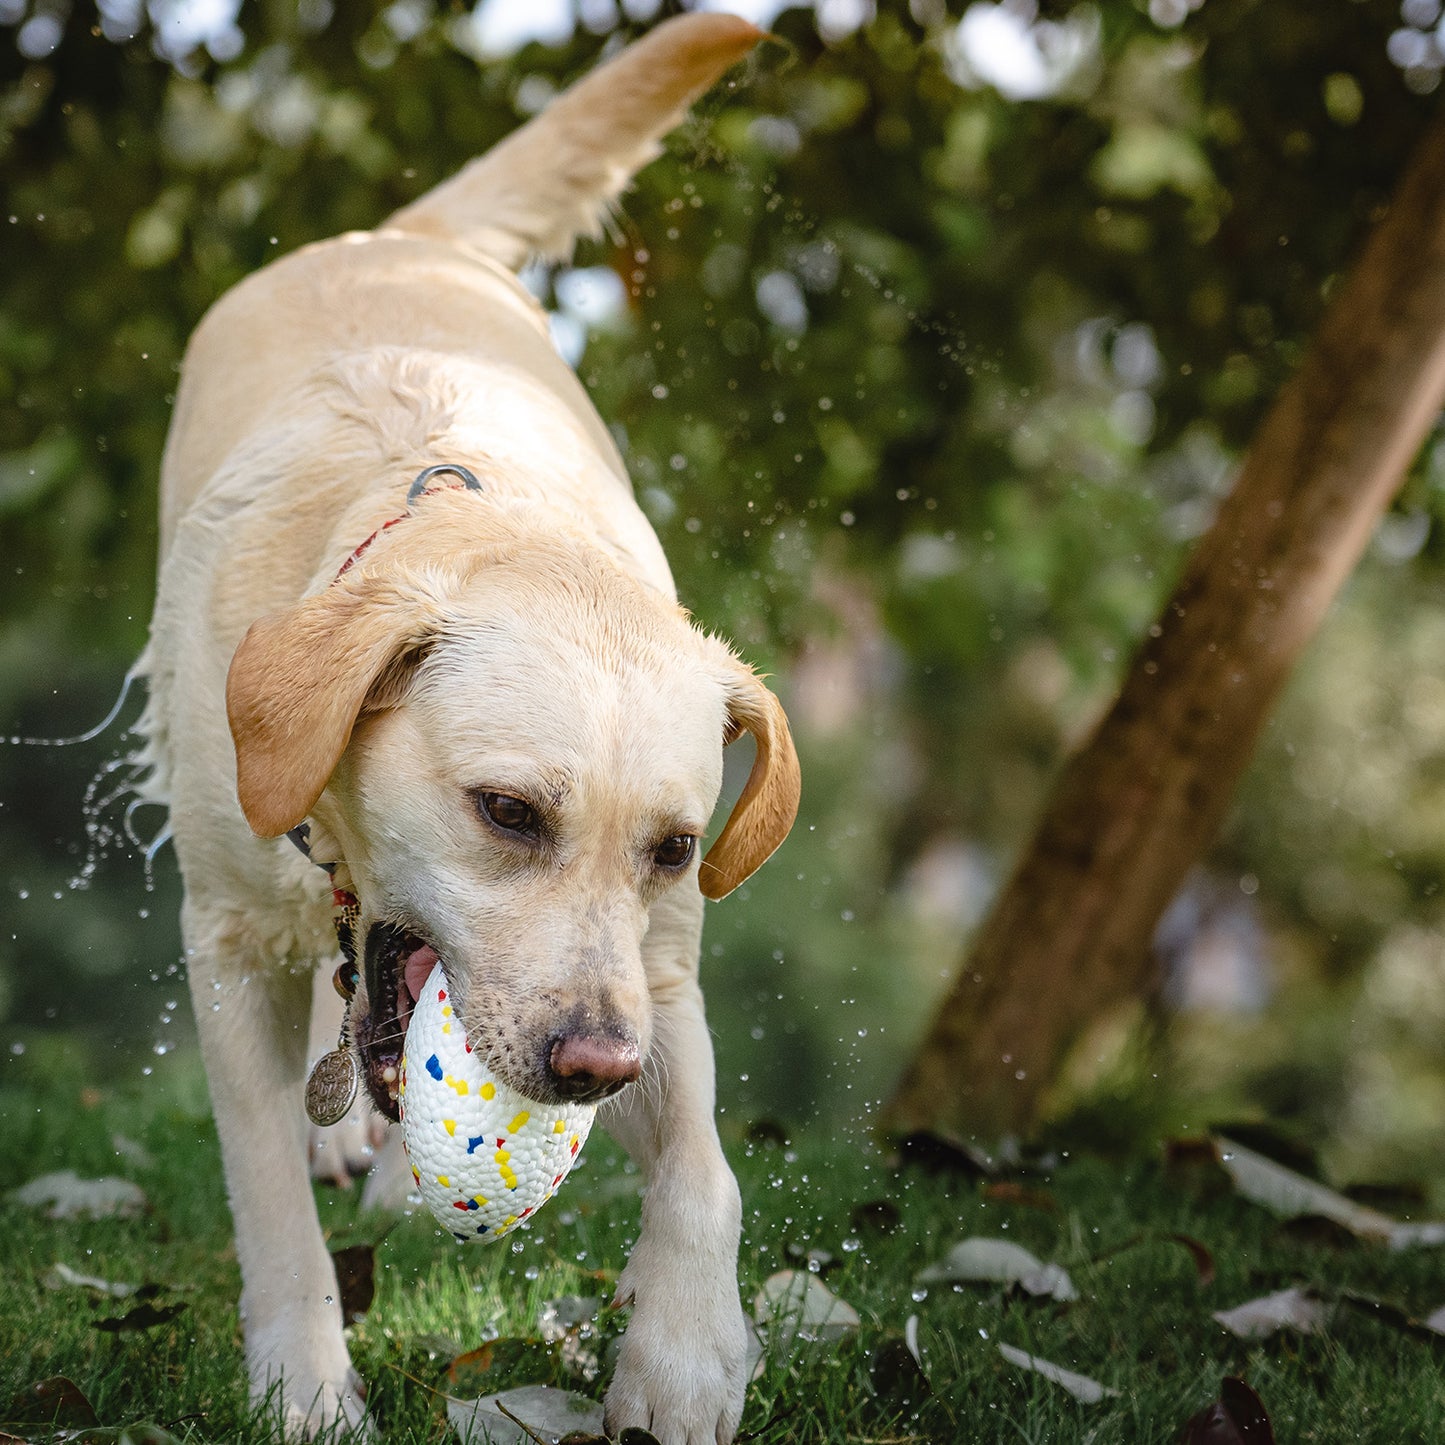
(795, 1305)
(1295, 1309)
(478, 1372)
(545, 1412)
(1386, 1312)
(942, 1155)
(132, 1151)
(1010, 1191)
(143, 1317)
(1198, 1252)
(1238, 1417)
(355, 1266)
(980, 1260)
(60, 1277)
(56, 1402)
(1290, 1194)
(895, 1372)
(65, 1195)
(875, 1216)
(1081, 1387)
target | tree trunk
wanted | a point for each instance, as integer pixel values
(1135, 808)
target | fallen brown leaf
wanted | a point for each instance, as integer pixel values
(142, 1317)
(880, 1216)
(1009, 1191)
(1238, 1417)
(944, 1156)
(895, 1374)
(55, 1401)
(1198, 1252)
(478, 1372)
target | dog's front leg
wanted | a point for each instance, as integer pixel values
(252, 1022)
(680, 1373)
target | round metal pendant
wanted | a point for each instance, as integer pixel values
(332, 1087)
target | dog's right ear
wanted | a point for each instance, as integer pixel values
(300, 680)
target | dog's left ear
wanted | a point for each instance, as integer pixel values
(300, 680)
(769, 801)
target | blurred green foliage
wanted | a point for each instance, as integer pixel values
(926, 387)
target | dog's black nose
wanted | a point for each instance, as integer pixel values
(588, 1067)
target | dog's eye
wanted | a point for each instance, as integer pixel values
(508, 813)
(674, 852)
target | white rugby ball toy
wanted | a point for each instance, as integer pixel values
(483, 1156)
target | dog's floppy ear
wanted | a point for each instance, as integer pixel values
(769, 801)
(299, 681)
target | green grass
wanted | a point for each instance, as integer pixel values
(1141, 1325)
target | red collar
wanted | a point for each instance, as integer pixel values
(415, 493)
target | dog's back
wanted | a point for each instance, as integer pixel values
(439, 274)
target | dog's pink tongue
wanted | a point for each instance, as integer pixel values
(418, 969)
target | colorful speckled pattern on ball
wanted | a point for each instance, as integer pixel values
(483, 1156)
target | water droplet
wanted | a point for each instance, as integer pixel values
(852, 1244)
(919, 1294)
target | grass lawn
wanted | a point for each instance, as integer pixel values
(1141, 1324)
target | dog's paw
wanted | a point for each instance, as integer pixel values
(343, 1152)
(299, 1367)
(681, 1371)
(389, 1183)
(336, 1413)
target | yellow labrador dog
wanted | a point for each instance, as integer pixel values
(480, 695)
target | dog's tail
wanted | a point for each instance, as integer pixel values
(553, 180)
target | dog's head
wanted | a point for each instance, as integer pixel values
(516, 749)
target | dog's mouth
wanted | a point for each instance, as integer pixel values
(398, 964)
